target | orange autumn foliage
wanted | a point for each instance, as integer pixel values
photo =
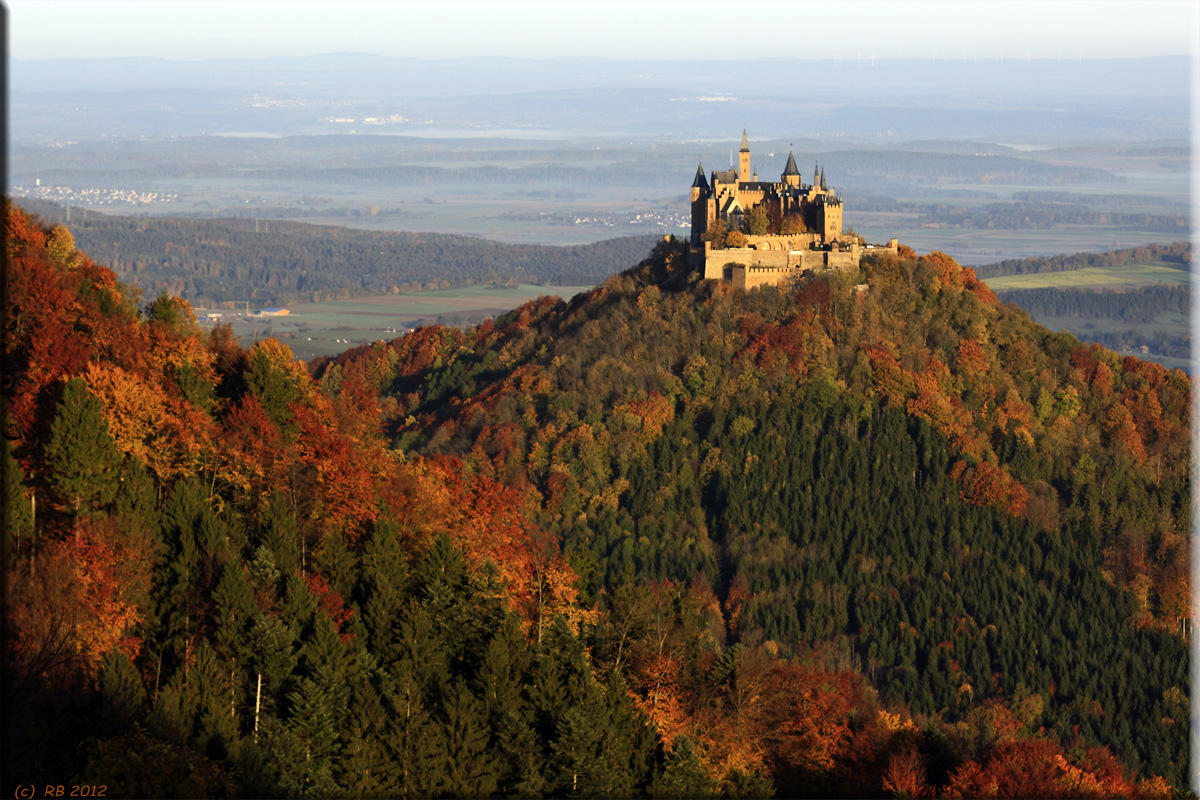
(344, 502)
(167, 434)
(988, 484)
(981, 289)
(949, 272)
(814, 709)
(489, 522)
(1039, 768)
(81, 597)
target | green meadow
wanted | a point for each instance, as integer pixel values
(1127, 275)
(328, 328)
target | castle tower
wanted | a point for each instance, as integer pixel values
(791, 174)
(700, 184)
(816, 176)
(700, 202)
(831, 219)
(744, 159)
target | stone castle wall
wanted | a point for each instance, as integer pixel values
(771, 260)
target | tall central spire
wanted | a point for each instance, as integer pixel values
(744, 159)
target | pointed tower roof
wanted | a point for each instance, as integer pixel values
(823, 186)
(791, 168)
(745, 143)
(701, 182)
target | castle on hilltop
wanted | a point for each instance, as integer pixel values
(750, 232)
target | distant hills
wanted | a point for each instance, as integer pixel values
(922, 97)
(375, 76)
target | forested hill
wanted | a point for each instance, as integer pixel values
(210, 261)
(667, 539)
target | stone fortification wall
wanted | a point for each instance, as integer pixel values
(792, 241)
(743, 277)
(775, 259)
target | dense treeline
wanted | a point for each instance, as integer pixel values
(1041, 211)
(662, 175)
(1032, 204)
(852, 165)
(1133, 341)
(667, 539)
(1140, 304)
(1043, 216)
(1117, 200)
(1000, 169)
(212, 261)
(1176, 253)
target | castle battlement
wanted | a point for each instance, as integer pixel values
(760, 211)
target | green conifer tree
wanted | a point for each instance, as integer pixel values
(82, 460)
(122, 694)
(18, 510)
(471, 769)
(383, 589)
(683, 774)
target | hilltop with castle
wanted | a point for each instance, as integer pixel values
(750, 232)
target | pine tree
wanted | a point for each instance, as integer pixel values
(235, 611)
(504, 671)
(683, 774)
(365, 767)
(18, 508)
(281, 533)
(82, 460)
(471, 770)
(122, 694)
(383, 589)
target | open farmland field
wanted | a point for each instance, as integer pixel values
(315, 329)
(1128, 275)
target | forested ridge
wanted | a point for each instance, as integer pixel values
(666, 539)
(1176, 253)
(371, 170)
(211, 261)
(1134, 305)
(1138, 304)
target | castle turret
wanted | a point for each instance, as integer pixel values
(744, 159)
(700, 184)
(791, 174)
(701, 194)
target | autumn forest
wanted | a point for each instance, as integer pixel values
(871, 535)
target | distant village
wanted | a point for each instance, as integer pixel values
(93, 196)
(672, 220)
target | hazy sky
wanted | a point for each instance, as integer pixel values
(199, 29)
